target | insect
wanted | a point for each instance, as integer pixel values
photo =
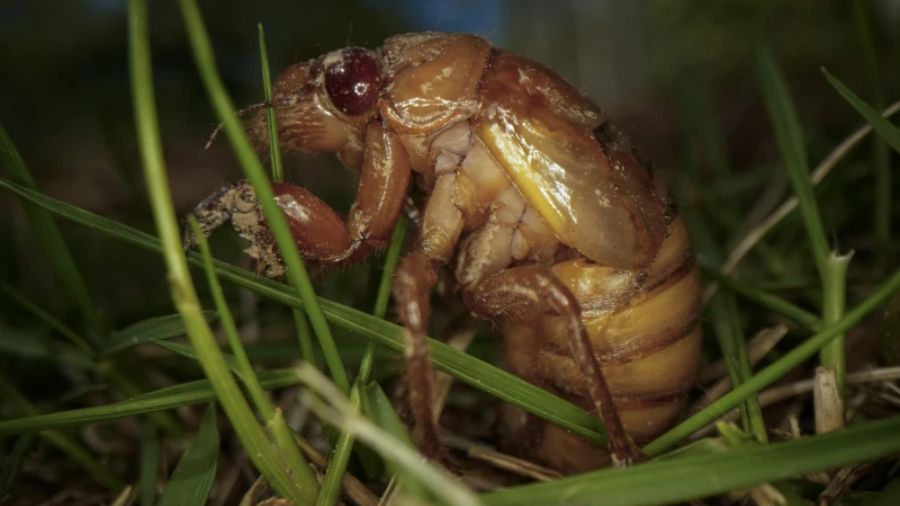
(534, 206)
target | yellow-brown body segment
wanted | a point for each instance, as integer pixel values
(645, 331)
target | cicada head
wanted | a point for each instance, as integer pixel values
(324, 104)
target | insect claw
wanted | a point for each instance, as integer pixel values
(348, 253)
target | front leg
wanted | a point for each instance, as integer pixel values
(319, 232)
(519, 293)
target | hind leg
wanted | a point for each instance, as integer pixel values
(522, 292)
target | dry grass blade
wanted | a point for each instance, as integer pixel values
(757, 348)
(781, 393)
(500, 460)
(829, 403)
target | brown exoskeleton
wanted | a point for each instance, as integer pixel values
(548, 222)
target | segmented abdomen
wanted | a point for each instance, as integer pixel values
(645, 330)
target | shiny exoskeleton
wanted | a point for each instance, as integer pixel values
(535, 205)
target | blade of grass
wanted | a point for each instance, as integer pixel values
(378, 408)
(12, 464)
(189, 352)
(726, 322)
(294, 462)
(271, 118)
(28, 344)
(75, 338)
(466, 368)
(676, 480)
(340, 457)
(888, 132)
(331, 484)
(341, 413)
(754, 236)
(88, 351)
(763, 298)
(52, 242)
(880, 153)
(73, 449)
(149, 465)
(383, 297)
(830, 265)
(151, 329)
(775, 370)
(301, 324)
(193, 477)
(251, 434)
(277, 223)
(185, 394)
(790, 141)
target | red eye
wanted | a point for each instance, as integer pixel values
(353, 82)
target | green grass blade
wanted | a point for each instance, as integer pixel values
(881, 156)
(271, 118)
(74, 337)
(185, 394)
(378, 408)
(332, 482)
(27, 344)
(726, 322)
(383, 297)
(149, 465)
(12, 463)
(193, 477)
(391, 259)
(337, 410)
(468, 369)
(252, 436)
(240, 360)
(51, 240)
(887, 131)
(72, 448)
(294, 461)
(301, 324)
(189, 352)
(775, 370)
(275, 219)
(790, 141)
(693, 477)
(149, 330)
(727, 326)
(340, 457)
(767, 300)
